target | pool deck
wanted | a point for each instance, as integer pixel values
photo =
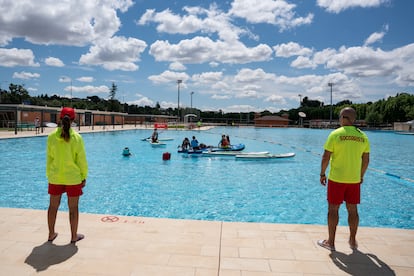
(120, 245)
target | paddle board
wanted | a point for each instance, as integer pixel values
(157, 144)
(159, 139)
(51, 125)
(231, 153)
(265, 156)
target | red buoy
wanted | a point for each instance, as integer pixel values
(166, 156)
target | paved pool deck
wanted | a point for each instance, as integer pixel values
(121, 245)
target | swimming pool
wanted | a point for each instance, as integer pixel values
(217, 188)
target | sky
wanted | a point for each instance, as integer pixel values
(231, 55)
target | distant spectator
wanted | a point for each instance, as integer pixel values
(37, 125)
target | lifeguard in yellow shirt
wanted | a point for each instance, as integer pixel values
(346, 150)
(66, 170)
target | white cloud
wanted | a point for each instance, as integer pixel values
(207, 77)
(89, 89)
(177, 66)
(220, 97)
(337, 6)
(203, 49)
(291, 49)
(275, 12)
(117, 53)
(85, 79)
(25, 75)
(250, 76)
(365, 61)
(375, 37)
(47, 22)
(143, 101)
(240, 108)
(197, 19)
(169, 77)
(303, 62)
(55, 62)
(17, 57)
(276, 99)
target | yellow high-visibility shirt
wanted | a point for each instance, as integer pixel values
(346, 144)
(66, 162)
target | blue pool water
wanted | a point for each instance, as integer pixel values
(216, 188)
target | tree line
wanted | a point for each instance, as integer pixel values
(398, 108)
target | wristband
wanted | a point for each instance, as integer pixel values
(322, 175)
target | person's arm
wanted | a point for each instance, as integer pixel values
(324, 164)
(364, 166)
(82, 162)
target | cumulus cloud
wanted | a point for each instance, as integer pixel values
(55, 62)
(250, 76)
(117, 53)
(169, 77)
(197, 19)
(275, 12)
(220, 97)
(25, 75)
(143, 101)
(365, 61)
(47, 22)
(85, 79)
(291, 49)
(203, 49)
(375, 37)
(337, 6)
(240, 108)
(89, 89)
(207, 77)
(17, 57)
(276, 99)
(177, 66)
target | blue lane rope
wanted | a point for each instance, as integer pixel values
(319, 154)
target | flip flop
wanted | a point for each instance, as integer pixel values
(78, 238)
(326, 245)
(54, 237)
(353, 247)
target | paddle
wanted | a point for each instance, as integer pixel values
(145, 139)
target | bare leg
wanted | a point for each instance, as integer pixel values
(353, 222)
(52, 213)
(333, 218)
(73, 216)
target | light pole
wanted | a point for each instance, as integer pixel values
(71, 93)
(330, 110)
(178, 87)
(300, 100)
(191, 99)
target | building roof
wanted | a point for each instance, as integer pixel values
(272, 118)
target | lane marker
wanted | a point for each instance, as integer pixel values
(320, 154)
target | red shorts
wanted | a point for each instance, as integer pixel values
(340, 192)
(71, 190)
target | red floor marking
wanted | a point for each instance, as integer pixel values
(110, 219)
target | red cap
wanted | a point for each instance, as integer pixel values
(68, 111)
